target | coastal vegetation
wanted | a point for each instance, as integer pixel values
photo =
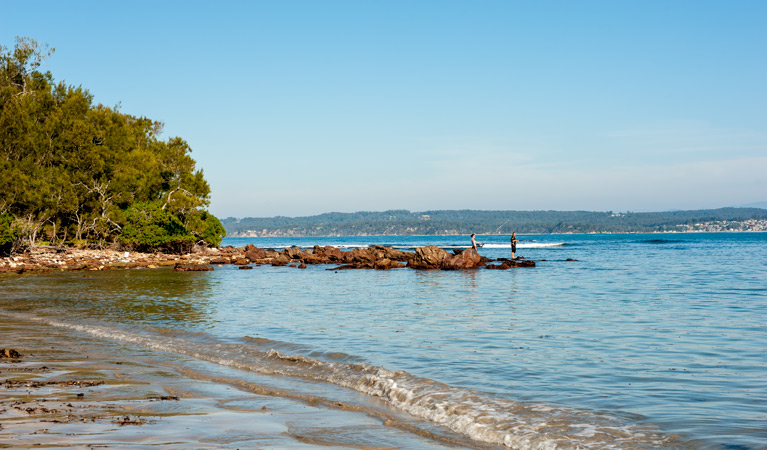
(402, 223)
(73, 172)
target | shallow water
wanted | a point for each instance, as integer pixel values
(646, 341)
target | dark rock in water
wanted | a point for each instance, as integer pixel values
(509, 264)
(9, 353)
(242, 262)
(571, 259)
(245, 267)
(354, 266)
(192, 268)
(302, 266)
(387, 264)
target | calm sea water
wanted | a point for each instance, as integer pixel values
(646, 341)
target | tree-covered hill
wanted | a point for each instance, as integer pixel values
(74, 172)
(402, 222)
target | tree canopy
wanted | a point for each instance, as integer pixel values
(71, 170)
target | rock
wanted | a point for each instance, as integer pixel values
(302, 266)
(430, 257)
(397, 255)
(571, 259)
(363, 255)
(433, 257)
(192, 268)
(386, 264)
(9, 353)
(354, 266)
(509, 264)
(467, 259)
(279, 259)
(294, 253)
(245, 267)
(253, 253)
(329, 253)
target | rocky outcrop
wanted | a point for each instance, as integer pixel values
(428, 258)
(432, 258)
(467, 259)
(377, 257)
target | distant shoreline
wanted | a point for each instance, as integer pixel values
(491, 234)
(464, 222)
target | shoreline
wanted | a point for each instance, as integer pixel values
(63, 389)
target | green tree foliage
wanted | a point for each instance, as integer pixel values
(148, 226)
(205, 227)
(69, 169)
(9, 234)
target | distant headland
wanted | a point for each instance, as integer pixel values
(463, 222)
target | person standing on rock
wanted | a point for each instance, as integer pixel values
(474, 243)
(513, 244)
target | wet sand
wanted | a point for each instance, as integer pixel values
(70, 391)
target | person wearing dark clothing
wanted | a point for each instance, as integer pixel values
(513, 244)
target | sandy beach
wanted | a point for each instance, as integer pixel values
(75, 393)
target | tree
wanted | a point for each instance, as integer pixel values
(205, 227)
(147, 226)
(71, 170)
(9, 234)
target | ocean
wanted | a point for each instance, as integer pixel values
(631, 341)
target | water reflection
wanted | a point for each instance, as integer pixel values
(129, 296)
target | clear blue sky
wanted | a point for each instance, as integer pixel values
(303, 107)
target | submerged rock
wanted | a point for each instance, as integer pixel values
(509, 264)
(192, 268)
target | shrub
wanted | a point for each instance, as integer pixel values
(9, 234)
(206, 227)
(148, 227)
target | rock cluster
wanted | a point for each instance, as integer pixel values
(42, 259)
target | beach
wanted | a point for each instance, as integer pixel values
(610, 341)
(76, 392)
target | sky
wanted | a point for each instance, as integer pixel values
(298, 108)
